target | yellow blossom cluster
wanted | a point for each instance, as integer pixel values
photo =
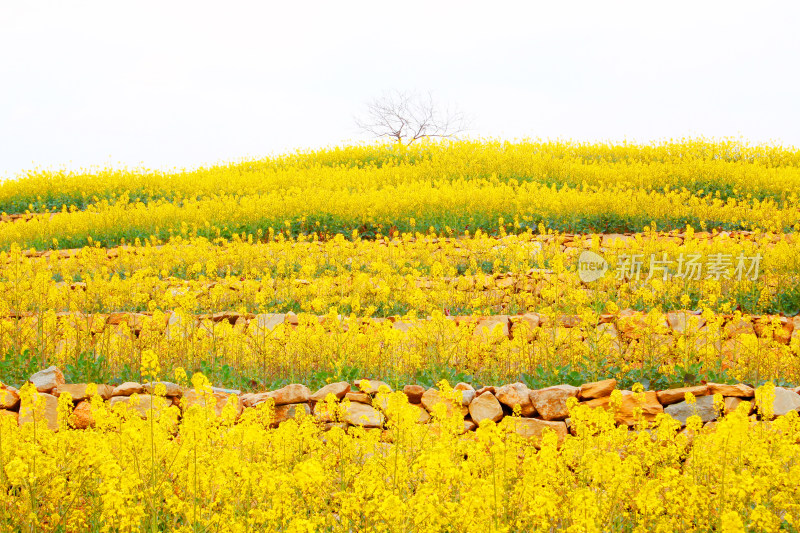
(381, 189)
(396, 307)
(201, 472)
(422, 273)
(404, 264)
(270, 349)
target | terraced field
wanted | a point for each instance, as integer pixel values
(584, 337)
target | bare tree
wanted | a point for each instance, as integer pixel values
(406, 117)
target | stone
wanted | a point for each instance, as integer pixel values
(782, 332)
(404, 327)
(670, 396)
(291, 319)
(322, 414)
(607, 331)
(339, 389)
(359, 414)
(249, 399)
(551, 402)
(516, 394)
(9, 415)
(78, 391)
(236, 392)
(740, 390)
(381, 402)
(359, 397)
(433, 397)
(558, 338)
(266, 322)
(739, 327)
(705, 345)
(732, 403)
(105, 391)
(631, 325)
(488, 388)
(525, 326)
(374, 386)
(48, 379)
(82, 417)
(489, 326)
(649, 345)
(728, 350)
(179, 326)
(679, 321)
(469, 425)
(414, 393)
(172, 390)
(624, 415)
(785, 333)
(294, 393)
(703, 407)
(46, 417)
(9, 397)
(230, 317)
(137, 322)
(569, 321)
(128, 388)
(785, 401)
(424, 416)
(617, 240)
(467, 393)
(142, 404)
(597, 389)
(288, 411)
(532, 428)
(115, 319)
(463, 386)
(486, 407)
(216, 400)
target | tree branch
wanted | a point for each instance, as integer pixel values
(409, 117)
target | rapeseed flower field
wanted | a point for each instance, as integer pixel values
(206, 473)
(469, 375)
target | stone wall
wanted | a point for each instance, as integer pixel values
(536, 409)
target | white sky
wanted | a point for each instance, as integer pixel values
(173, 83)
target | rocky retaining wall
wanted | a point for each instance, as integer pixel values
(623, 330)
(537, 409)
